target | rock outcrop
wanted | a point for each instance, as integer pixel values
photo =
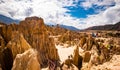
(18, 44)
(26, 61)
(2, 42)
(35, 32)
(6, 32)
(77, 59)
(87, 56)
(113, 64)
(2, 24)
(29, 33)
(6, 58)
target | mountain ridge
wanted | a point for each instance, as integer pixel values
(9, 20)
(106, 27)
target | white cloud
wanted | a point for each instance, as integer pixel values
(90, 3)
(109, 16)
(53, 11)
(117, 2)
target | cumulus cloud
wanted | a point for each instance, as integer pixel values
(90, 3)
(54, 11)
(110, 15)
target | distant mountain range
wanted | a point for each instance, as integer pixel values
(69, 27)
(116, 26)
(8, 20)
(106, 27)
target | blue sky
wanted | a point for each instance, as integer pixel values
(78, 13)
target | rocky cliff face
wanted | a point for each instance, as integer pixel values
(2, 24)
(26, 61)
(18, 44)
(6, 58)
(77, 59)
(35, 32)
(29, 33)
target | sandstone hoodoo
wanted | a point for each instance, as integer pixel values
(29, 33)
(35, 32)
(77, 59)
(32, 45)
(6, 58)
(18, 44)
(26, 61)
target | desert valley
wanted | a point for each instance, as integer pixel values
(32, 45)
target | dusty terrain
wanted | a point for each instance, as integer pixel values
(32, 45)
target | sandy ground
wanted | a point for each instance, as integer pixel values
(64, 52)
(113, 64)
